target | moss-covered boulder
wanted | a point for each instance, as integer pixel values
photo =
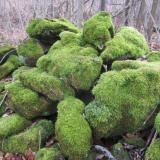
(48, 30)
(32, 138)
(10, 65)
(72, 130)
(152, 152)
(123, 101)
(79, 71)
(48, 85)
(30, 50)
(153, 57)
(51, 153)
(27, 102)
(128, 43)
(17, 72)
(12, 124)
(98, 29)
(133, 64)
(4, 49)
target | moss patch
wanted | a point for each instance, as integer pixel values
(33, 138)
(47, 30)
(98, 29)
(124, 100)
(48, 85)
(51, 153)
(153, 151)
(72, 130)
(132, 64)
(153, 57)
(79, 71)
(10, 65)
(27, 102)
(12, 124)
(4, 49)
(30, 50)
(127, 43)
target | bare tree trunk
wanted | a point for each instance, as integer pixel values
(127, 2)
(80, 7)
(152, 18)
(102, 5)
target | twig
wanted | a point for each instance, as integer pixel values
(150, 140)
(4, 97)
(40, 138)
(6, 55)
(104, 151)
(149, 116)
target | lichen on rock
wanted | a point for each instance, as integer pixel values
(72, 130)
(32, 138)
(128, 43)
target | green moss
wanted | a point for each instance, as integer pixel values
(153, 57)
(98, 29)
(72, 130)
(47, 30)
(136, 141)
(50, 86)
(30, 50)
(124, 99)
(157, 122)
(119, 152)
(127, 43)
(132, 64)
(51, 153)
(12, 124)
(152, 152)
(27, 102)
(10, 65)
(32, 138)
(17, 72)
(4, 49)
(2, 85)
(79, 71)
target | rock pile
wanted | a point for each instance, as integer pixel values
(76, 86)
